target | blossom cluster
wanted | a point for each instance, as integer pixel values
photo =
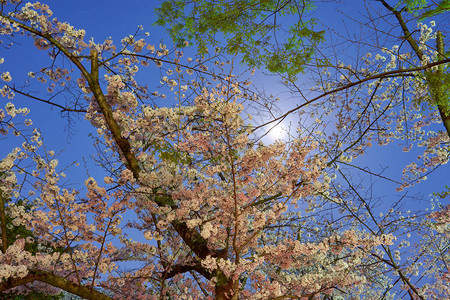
(201, 192)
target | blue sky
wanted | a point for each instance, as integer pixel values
(102, 19)
(118, 19)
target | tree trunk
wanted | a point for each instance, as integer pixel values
(226, 289)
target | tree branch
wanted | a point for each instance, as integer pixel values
(435, 88)
(190, 236)
(393, 73)
(3, 222)
(183, 268)
(63, 108)
(55, 281)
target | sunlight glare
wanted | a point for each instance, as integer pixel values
(279, 132)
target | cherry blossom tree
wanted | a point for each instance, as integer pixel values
(194, 205)
(214, 209)
(396, 92)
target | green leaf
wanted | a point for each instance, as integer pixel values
(441, 7)
(248, 28)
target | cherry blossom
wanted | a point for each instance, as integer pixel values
(194, 204)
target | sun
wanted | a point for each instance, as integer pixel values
(277, 132)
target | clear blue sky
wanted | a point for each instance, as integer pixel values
(118, 19)
(102, 19)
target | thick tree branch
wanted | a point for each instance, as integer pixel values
(190, 236)
(436, 88)
(74, 59)
(440, 95)
(406, 32)
(393, 73)
(55, 281)
(106, 109)
(3, 223)
(183, 268)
